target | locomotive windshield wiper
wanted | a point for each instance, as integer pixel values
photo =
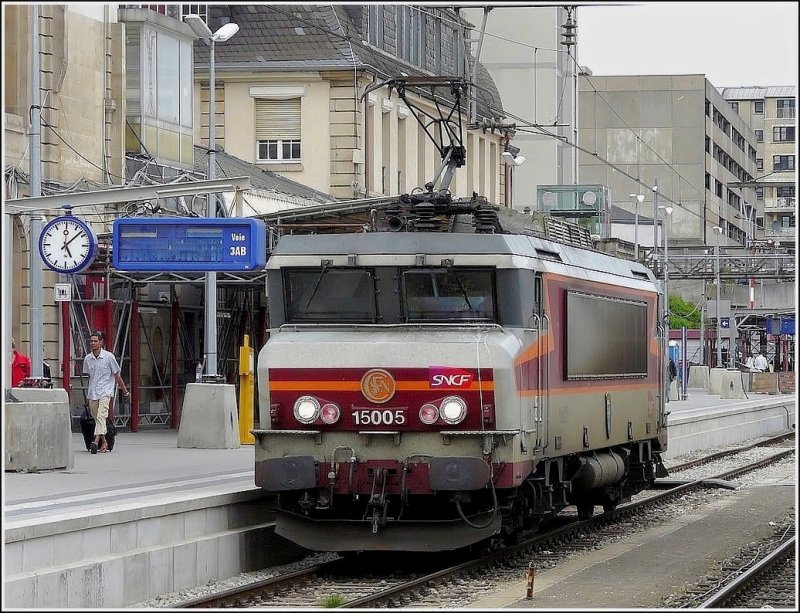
(462, 288)
(316, 284)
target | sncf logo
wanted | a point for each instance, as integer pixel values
(378, 386)
(449, 378)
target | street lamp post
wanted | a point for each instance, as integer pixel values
(203, 32)
(637, 199)
(668, 211)
(717, 233)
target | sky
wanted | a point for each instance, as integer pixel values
(732, 43)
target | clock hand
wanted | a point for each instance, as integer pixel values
(65, 248)
(72, 239)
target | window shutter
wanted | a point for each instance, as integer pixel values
(277, 119)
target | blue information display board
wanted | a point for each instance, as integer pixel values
(186, 244)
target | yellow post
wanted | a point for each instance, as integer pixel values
(246, 393)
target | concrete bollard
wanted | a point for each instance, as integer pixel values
(698, 376)
(714, 380)
(731, 385)
(37, 430)
(210, 417)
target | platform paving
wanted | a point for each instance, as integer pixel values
(645, 568)
(142, 465)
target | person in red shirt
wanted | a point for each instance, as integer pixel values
(20, 365)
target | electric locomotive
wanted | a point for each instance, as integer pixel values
(428, 390)
(447, 377)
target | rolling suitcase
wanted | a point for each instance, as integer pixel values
(87, 429)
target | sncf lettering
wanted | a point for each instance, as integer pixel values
(454, 380)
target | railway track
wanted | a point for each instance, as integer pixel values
(341, 583)
(763, 582)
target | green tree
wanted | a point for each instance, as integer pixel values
(683, 314)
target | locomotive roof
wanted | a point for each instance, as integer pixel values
(430, 248)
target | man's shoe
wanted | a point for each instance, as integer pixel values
(93, 447)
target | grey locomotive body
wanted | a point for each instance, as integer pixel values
(426, 391)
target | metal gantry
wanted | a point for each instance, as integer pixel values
(732, 266)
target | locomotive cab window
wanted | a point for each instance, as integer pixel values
(330, 295)
(446, 294)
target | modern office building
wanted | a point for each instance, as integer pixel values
(770, 113)
(676, 132)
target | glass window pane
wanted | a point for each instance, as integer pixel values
(330, 294)
(445, 294)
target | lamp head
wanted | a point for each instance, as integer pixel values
(225, 32)
(511, 154)
(198, 26)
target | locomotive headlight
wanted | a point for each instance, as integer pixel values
(453, 409)
(306, 409)
(428, 414)
(330, 413)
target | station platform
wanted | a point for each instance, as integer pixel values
(149, 463)
(142, 464)
(150, 518)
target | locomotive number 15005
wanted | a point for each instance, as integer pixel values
(377, 417)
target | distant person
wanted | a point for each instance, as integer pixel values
(20, 365)
(673, 370)
(103, 371)
(750, 364)
(760, 363)
(724, 358)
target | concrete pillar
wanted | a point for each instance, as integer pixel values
(210, 417)
(37, 430)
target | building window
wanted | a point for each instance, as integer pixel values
(735, 106)
(785, 107)
(759, 136)
(277, 130)
(758, 107)
(708, 181)
(437, 46)
(278, 150)
(782, 162)
(708, 145)
(759, 163)
(785, 192)
(759, 193)
(195, 9)
(783, 134)
(375, 25)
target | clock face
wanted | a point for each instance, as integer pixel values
(67, 244)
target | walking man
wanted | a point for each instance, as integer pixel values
(103, 371)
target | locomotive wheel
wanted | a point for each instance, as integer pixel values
(585, 510)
